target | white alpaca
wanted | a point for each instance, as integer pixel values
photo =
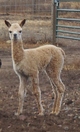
(28, 63)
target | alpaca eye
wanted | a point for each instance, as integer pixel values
(20, 31)
(10, 31)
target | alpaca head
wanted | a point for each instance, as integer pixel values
(15, 30)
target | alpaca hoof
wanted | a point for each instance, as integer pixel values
(52, 113)
(41, 114)
(16, 114)
(55, 113)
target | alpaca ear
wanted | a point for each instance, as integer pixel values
(7, 23)
(22, 23)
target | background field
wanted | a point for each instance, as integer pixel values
(36, 32)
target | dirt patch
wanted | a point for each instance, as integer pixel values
(69, 117)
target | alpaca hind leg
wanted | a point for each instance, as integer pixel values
(54, 93)
(37, 93)
(59, 88)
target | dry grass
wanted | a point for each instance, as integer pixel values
(72, 66)
(68, 5)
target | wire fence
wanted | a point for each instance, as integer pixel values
(28, 8)
(39, 15)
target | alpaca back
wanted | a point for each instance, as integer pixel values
(39, 58)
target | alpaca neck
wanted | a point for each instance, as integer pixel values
(17, 51)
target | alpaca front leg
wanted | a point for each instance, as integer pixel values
(21, 96)
(21, 101)
(37, 93)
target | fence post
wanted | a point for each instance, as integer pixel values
(57, 7)
(53, 16)
(34, 6)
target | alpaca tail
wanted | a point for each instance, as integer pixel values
(63, 53)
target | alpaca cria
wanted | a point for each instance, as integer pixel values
(29, 62)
